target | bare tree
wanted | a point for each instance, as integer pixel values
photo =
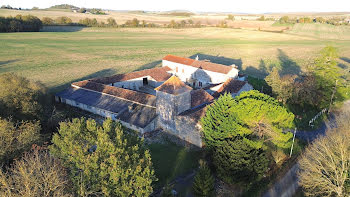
(325, 165)
(35, 174)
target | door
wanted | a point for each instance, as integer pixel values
(145, 81)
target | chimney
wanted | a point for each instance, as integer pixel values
(234, 66)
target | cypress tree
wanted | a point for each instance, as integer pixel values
(203, 184)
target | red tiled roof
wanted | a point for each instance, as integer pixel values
(159, 74)
(199, 64)
(230, 86)
(199, 97)
(174, 86)
(138, 97)
(180, 60)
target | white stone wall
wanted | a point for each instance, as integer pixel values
(107, 114)
(135, 84)
(191, 74)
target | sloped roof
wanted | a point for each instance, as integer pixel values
(230, 86)
(140, 116)
(219, 68)
(138, 97)
(174, 86)
(199, 97)
(180, 60)
(159, 74)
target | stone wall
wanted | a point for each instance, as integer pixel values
(182, 102)
(166, 110)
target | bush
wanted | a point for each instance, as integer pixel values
(48, 21)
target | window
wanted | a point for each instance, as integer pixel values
(200, 84)
(183, 70)
(177, 69)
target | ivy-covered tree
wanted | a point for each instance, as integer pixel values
(103, 160)
(236, 161)
(203, 184)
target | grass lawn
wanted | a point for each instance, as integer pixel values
(171, 160)
(58, 58)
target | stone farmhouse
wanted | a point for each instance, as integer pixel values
(173, 97)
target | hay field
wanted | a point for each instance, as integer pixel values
(58, 58)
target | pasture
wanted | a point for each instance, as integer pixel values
(59, 58)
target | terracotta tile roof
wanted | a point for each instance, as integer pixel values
(219, 68)
(199, 64)
(126, 94)
(159, 74)
(197, 113)
(230, 86)
(174, 86)
(199, 97)
(180, 60)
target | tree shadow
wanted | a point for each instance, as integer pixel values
(260, 72)
(101, 73)
(219, 59)
(149, 65)
(62, 28)
(346, 59)
(288, 66)
(8, 61)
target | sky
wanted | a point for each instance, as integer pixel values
(234, 6)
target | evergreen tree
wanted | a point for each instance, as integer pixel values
(237, 161)
(103, 159)
(220, 122)
(255, 116)
(203, 184)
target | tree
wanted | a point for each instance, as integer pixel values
(111, 22)
(17, 138)
(306, 91)
(103, 159)
(63, 20)
(284, 19)
(203, 183)
(47, 21)
(82, 10)
(231, 17)
(20, 98)
(325, 165)
(37, 173)
(236, 161)
(328, 75)
(219, 122)
(262, 18)
(282, 87)
(253, 115)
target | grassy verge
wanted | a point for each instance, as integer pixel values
(171, 160)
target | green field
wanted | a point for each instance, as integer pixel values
(59, 58)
